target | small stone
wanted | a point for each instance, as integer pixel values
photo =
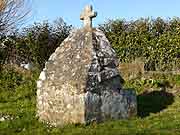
(52, 57)
(39, 84)
(42, 76)
(78, 57)
(68, 106)
(2, 119)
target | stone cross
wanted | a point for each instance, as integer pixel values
(87, 16)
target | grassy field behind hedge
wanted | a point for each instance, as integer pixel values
(158, 109)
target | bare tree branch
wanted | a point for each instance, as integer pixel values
(12, 13)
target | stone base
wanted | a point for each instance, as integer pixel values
(90, 107)
(110, 105)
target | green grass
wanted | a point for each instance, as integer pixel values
(158, 111)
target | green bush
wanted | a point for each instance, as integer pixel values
(15, 84)
(42, 39)
(34, 44)
(156, 41)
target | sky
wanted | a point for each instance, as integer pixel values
(70, 10)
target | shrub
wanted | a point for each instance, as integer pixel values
(34, 44)
(156, 41)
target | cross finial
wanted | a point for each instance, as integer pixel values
(87, 16)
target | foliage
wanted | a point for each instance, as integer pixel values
(8, 49)
(34, 44)
(156, 41)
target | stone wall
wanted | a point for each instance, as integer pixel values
(131, 70)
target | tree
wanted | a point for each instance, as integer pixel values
(38, 41)
(12, 13)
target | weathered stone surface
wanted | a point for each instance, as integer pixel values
(87, 16)
(81, 83)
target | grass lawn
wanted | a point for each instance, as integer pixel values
(158, 110)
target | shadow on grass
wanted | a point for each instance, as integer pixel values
(153, 102)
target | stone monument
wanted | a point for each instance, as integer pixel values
(81, 82)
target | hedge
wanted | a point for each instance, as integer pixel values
(156, 42)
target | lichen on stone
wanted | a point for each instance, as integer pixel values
(81, 82)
